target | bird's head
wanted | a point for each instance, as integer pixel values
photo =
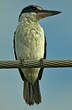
(36, 13)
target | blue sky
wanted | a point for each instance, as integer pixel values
(56, 84)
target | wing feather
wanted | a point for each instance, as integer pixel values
(21, 73)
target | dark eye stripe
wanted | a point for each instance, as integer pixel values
(34, 8)
(30, 8)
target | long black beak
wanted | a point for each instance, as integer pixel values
(46, 13)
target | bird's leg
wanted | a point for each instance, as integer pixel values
(21, 60)
(41, 62)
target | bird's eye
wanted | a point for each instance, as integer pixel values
(34, 8)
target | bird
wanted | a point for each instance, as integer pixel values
(30, 44)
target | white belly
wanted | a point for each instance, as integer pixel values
(29, 44)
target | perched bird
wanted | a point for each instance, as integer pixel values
(30, 44)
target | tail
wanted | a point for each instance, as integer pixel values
(31, 93)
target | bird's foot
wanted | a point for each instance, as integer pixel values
(21, 60)
(41, 61)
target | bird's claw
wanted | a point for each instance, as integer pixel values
(21, 60)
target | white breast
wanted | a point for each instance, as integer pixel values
(29, 44)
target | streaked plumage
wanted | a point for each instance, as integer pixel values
(30, 43)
